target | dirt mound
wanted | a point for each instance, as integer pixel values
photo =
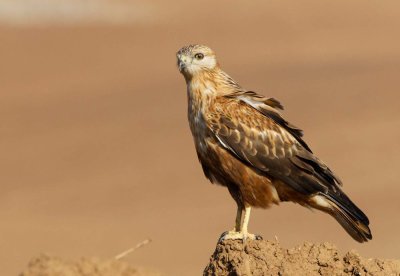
(49, 266)
(259, 257)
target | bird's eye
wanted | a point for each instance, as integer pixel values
(199, 56)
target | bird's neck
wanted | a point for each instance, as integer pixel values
(205, 88)
(201, 89)
(210, 84)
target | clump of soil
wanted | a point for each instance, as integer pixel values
(50, 266)
(259, 257)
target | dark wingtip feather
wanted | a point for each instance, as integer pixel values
(274, 103)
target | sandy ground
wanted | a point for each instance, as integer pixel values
(96, 153)
(268, 258)
(44, 265)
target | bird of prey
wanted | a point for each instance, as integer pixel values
(244, 143)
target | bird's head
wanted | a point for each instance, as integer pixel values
(194, 59)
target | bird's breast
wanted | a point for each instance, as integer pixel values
(198, 104)
(198, 128)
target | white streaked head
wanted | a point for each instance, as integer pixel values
(193, 59)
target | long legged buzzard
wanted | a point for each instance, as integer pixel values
(245, 144)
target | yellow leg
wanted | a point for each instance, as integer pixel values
(240, 232)
(238, 225)
(246, 219)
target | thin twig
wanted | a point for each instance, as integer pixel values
(130, 250)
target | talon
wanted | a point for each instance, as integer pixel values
(233, 235)
(249, 236)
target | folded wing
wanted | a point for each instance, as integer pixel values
(252, 129)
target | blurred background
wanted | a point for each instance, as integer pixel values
(96, 152)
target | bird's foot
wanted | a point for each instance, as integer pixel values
(234, 235)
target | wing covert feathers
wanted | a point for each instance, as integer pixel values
(268, 146)
(270, 107)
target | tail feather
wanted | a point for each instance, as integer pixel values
(350, 217)
(356, 228)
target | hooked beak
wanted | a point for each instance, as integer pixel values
(182, 62)
(181, 65)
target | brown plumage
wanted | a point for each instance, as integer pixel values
(244, 143)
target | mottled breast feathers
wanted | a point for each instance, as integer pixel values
(251, 128)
